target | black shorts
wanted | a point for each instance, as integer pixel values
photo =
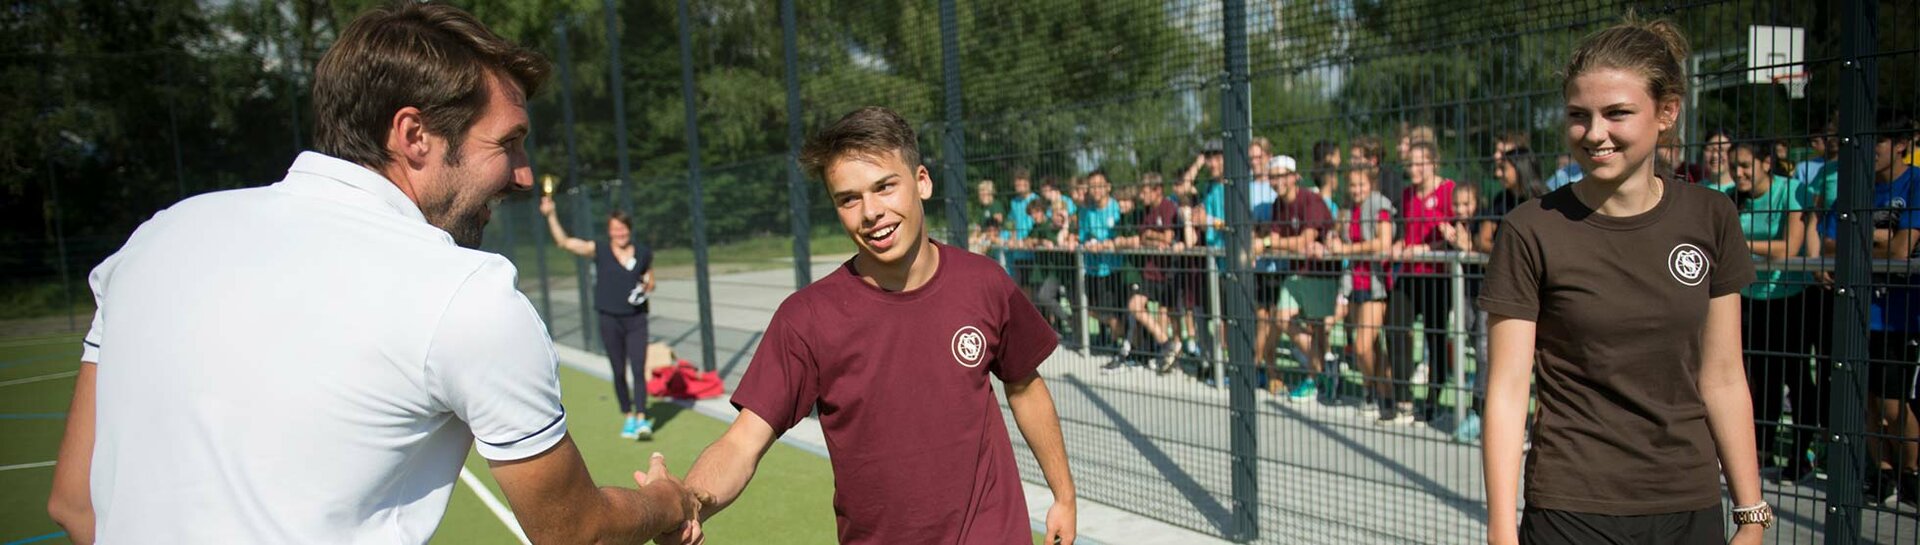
(1890, 366)
(1551, 527)
(1106, 293)
(1267, 286)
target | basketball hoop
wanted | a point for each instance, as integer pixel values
(1796, 84)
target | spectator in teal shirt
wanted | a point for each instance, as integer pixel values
(1775, 332)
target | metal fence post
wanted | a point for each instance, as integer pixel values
(796, 183)
(1462, 334)
(1846, 453)
(173, 129)
(573, 176)
(540, 235)
(619, 92)
(540, 257)
(583, 228)
(60, 242)
(698, 205)
(953, 155)
(1237, 119)
(1216, 321)
(1080, 313)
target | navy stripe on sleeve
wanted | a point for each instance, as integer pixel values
(543, 429)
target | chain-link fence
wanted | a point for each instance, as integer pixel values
(1228, 365)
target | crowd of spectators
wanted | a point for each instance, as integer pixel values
(1354, 258)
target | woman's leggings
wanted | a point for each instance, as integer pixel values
(1429, 298)
(626, 340)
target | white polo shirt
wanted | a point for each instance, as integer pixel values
(306, 362)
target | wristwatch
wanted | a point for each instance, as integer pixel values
(1761, 514)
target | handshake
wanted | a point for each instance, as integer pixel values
(672, 510)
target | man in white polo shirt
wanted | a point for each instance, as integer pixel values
(309, 362)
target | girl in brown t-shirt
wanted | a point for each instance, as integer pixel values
(1625, 285)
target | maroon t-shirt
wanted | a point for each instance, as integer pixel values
(1164, 217)
(1292, 218)
(920, 453)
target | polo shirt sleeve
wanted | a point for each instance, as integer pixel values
(1733, 263)
(491, 363)
(1513, 275)
(97, 332)
(1025, 338)
(781, 383)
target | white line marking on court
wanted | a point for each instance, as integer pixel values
(48, 463)
(39, 378)
(493, 504)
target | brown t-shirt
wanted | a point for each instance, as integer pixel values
(901, 380)
(1620, 305)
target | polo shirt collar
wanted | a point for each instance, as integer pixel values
(359, 177)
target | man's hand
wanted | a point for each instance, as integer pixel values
(1063, 524)
(656, 482)
(546, 205)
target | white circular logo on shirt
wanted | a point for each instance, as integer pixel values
(1688, 264)
(969, 346)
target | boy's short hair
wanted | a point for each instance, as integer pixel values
(1036, 205)
(870, 132)
(1894, 125)
(1370, 146)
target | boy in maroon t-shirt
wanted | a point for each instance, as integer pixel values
(895, 350)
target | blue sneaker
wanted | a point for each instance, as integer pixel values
(644, 430)
(631, 429)
(1469, 429)
(1304, 391)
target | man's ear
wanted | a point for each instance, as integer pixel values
(408, 139)
(923, 182)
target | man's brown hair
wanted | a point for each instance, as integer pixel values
(871, 132)
(429, 56)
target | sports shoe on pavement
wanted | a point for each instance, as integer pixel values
(1880, 487)
(1118, 365)
(1909, 490)
(1303, 392)
(1163, 362)
(1469, 429)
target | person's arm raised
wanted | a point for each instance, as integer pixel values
(575, 246)
(556, 501)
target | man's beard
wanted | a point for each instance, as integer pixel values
(464, 216)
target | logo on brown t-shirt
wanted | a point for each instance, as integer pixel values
(969, 346)
(1688, 264)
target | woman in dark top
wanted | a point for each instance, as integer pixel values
(624, 278)
(1621, 294)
